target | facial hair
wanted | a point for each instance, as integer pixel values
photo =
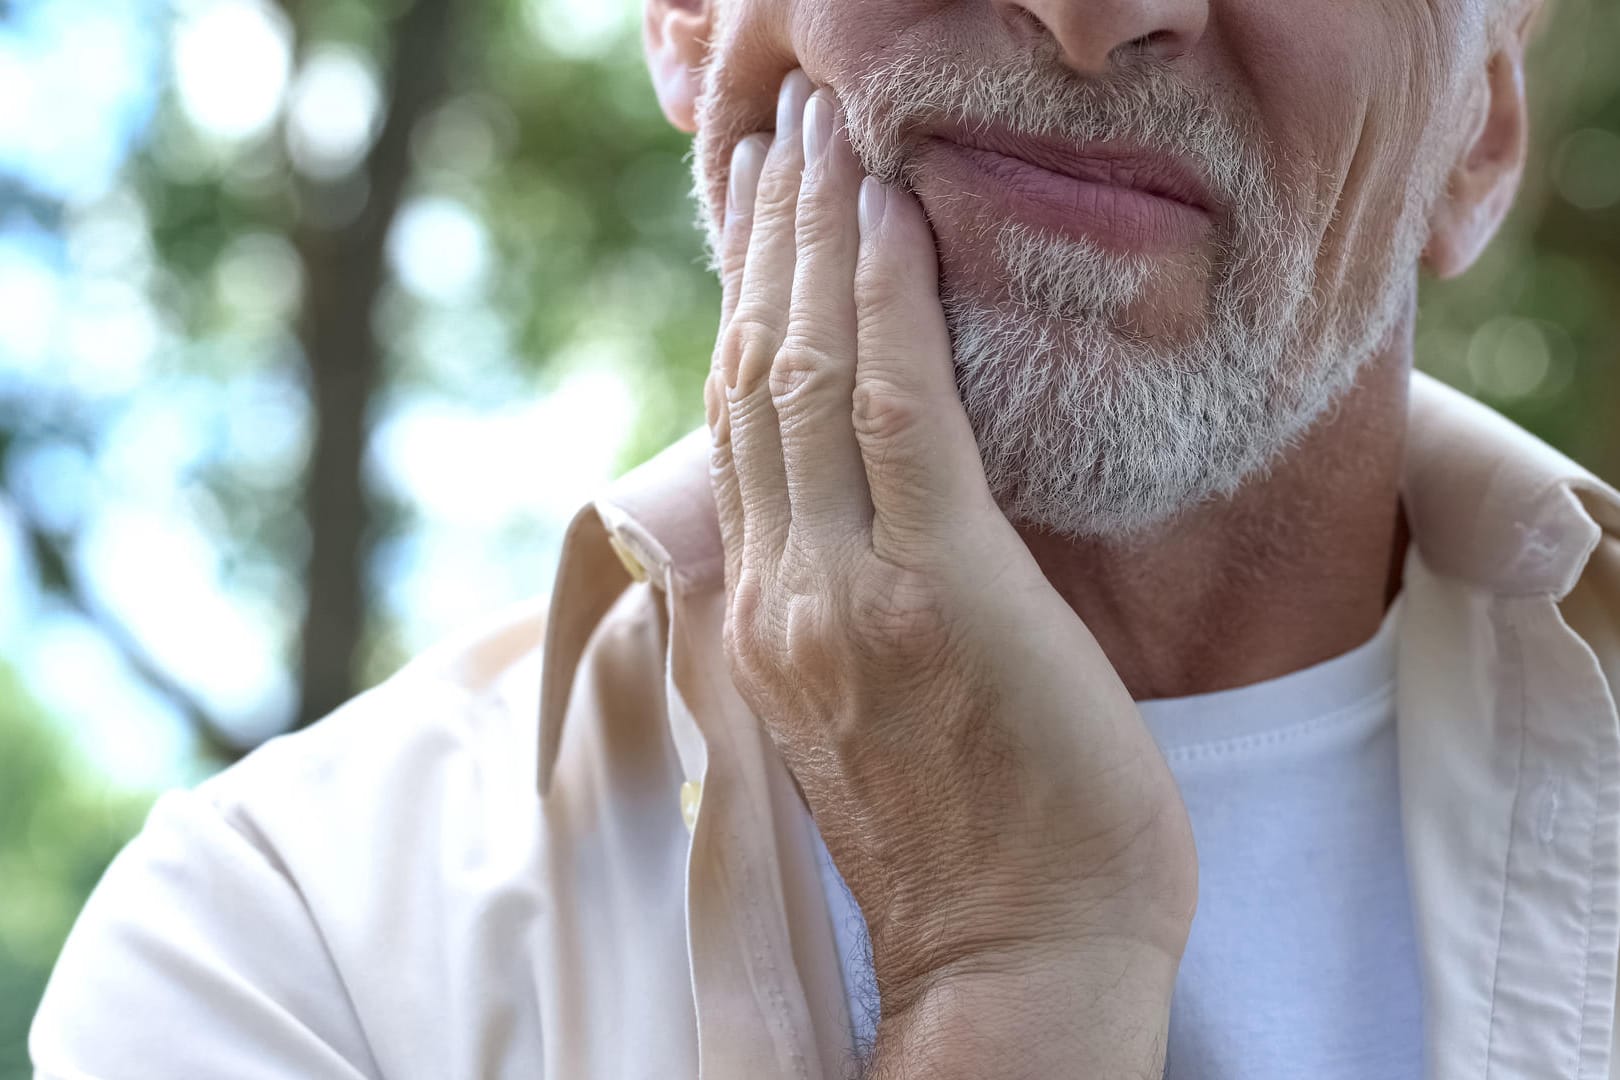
(1087, 427)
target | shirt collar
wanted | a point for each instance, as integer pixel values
(1487, 502)
(1493, 505)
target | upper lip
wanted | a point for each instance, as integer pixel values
(1114, 163)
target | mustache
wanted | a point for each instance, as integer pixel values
(891, 102)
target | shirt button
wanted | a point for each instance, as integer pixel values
(691, 795)
(628, 558)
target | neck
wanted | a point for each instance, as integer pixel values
(1298, 567)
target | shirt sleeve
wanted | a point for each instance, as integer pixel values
(196, 957)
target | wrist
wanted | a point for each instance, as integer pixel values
(991, 937)
(1091, 1009)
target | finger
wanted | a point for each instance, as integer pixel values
(756, 331)
(813, 379)
(747, 159)
(723, 477)
(922, 462)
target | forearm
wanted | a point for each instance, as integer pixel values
(1103, 1013)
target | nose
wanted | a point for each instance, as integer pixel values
(1095, 34)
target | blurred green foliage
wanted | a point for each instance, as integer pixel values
(562, 154)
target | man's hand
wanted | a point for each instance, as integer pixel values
(979, 773)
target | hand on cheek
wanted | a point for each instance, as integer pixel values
(836, 419)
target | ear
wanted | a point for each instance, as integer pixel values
(675, 34)
(1484, 181)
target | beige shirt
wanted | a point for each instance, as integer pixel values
(386, 894)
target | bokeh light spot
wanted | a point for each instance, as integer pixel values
(1587, 169)
(231, 61)
(333, 112)
(438, 248)
(580, 28)
(1509, 358)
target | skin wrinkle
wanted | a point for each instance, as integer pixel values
(1158, 531)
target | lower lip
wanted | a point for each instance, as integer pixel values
(1118, 218)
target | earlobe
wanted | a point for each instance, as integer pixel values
(1483, 182)
(675, 34)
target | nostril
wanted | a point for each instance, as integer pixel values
(1091, 37)
(1025, 25)
(1153, 42)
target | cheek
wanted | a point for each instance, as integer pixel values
(1345, 93)
(831, 37)
(749, 59)
(757, 42)
(836, 39)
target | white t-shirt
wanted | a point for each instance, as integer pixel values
(1301, 960)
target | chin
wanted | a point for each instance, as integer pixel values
(1054, 283)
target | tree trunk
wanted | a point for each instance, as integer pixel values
(343, 270)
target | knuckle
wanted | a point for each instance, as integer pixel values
(898, 612)
(751, 344)
(747, 619)
(808, 633)
(714, 395)
(728, 642)
(722, 482)
(799, 367)
(752, 329)
(813, 566)
(883, 413)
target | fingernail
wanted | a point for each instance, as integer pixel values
(790, 103)
(818, 125)
(746, 160)
(874, 200)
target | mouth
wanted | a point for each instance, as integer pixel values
(1124, 198)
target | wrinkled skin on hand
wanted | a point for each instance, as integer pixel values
(981, 777)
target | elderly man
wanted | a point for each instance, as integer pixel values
(1076, 645)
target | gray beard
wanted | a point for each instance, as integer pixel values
(1086, 429)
